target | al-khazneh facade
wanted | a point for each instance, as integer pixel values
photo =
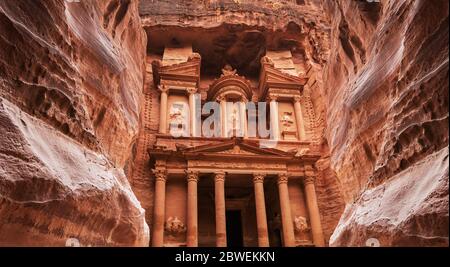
(228, 190)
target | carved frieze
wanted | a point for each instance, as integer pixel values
(221, 164)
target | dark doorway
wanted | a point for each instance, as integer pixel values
(234, 228)
(277, 238)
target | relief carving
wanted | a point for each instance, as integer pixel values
(178, 118)
(173, 226)
(287, 121)
(228, 71)
(300, 224)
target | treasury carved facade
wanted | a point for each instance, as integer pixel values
(224, 183)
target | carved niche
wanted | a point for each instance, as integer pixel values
(287, 126)
(178, 118)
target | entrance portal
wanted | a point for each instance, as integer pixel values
(234, 228)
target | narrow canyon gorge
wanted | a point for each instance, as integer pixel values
(358, 97)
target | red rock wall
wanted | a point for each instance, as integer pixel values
(71, 79)
(386, 91)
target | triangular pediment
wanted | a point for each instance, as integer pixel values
(274, 75)
(235, 147)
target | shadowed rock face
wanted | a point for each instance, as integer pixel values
(237, 32)
(71, 76)
(386, 85)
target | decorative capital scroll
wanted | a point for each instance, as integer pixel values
(191, 90)
(309, 180)
(258, 177)
(163, 88)
(219, 176)
(283, 178)
(297, 98)
(221, 98)
(192, 176)
(309, 170)
(244, 99)
(160, 175)
(272, 97)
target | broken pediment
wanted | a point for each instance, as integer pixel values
(176, 67)
(272, 77)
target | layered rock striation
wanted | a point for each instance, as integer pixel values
(386, 87)
(71, 79)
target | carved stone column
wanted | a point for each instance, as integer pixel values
(260, 204)
(192, 111)
(221, 226)
(243, 119)
(223, 115)
(285, 206)
(313, 208)
(274, 120)
(163, 109)
(192, 212)
(299, 119)
(159, 208)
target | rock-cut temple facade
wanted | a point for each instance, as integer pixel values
(233, 187)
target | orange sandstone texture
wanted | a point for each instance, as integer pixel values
(71, 77)
(386, 86)
(74, 121)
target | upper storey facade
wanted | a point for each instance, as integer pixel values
(271, 106)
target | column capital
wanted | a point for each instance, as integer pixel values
(243, 100)
(192, 176)
(297, 99)
(191, 90)
(219, 176)
(309, 170)
(160, 175)
(282, 178)
(163, 88)
(271, 98)
(309, 180)
(258, 177)
(221, 98)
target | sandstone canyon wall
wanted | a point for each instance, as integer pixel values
(386, 87)
(71, 79)
(76, 117)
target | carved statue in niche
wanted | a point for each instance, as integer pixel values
(300, 224)
(228, 71)
(177, 118)
(233, 119)
(286, 121)
(174, 226)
